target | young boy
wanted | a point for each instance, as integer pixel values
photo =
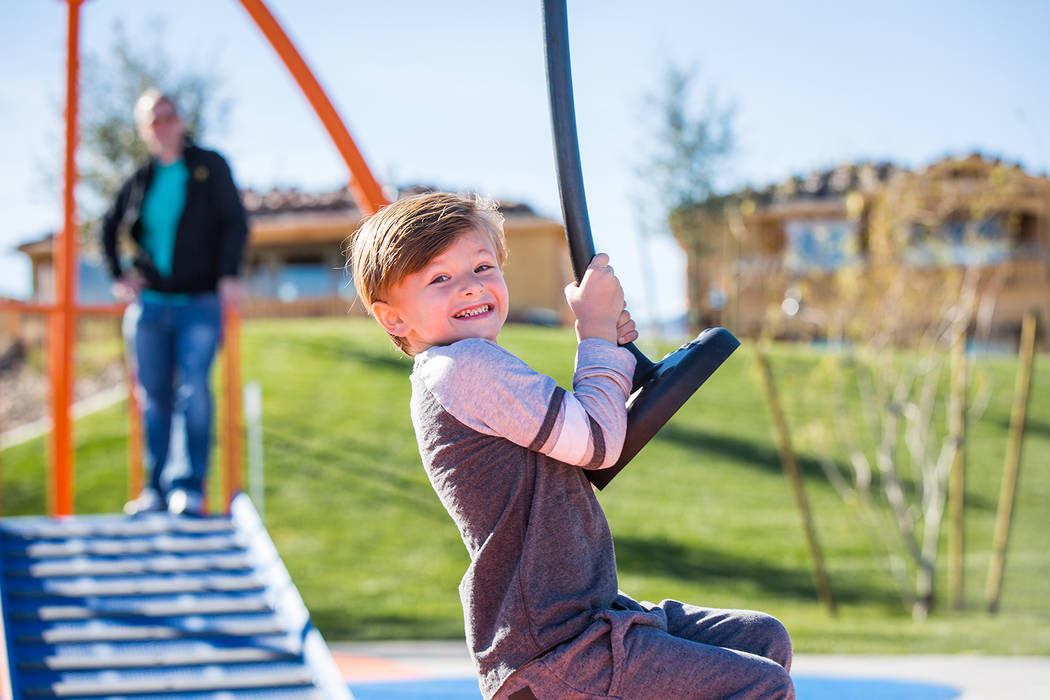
(505, 448)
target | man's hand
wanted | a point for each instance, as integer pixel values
(127, 288)
(597, 301)
(231, 294)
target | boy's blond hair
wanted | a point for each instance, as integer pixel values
(403, 237)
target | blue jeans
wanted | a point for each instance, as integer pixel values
(172, 346)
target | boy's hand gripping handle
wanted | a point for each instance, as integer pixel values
(659, 389)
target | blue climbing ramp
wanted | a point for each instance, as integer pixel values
(155, 607)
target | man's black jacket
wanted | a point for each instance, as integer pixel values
(209, 240)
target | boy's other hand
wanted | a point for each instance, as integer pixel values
(597, 302)
(127, 288)
(625, 330)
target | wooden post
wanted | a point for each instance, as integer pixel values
(1008, 488)
(787, 460)
(957, 476)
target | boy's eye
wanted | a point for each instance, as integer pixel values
(439, 278)
(483, 267)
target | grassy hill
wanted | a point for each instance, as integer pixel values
(704, 514)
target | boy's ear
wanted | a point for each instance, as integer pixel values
(390, 319)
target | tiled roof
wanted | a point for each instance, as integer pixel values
(824, 184)
(290, 200)
(281, 202)
(833, 183)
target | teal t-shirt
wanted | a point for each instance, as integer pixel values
(161, 210)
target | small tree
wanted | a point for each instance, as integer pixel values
(690, 145)
(892, 435)
(900, 391)
(111, 85)
(687, 152)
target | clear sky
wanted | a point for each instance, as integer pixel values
(453, 94)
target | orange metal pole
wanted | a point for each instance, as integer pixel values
(63, 322)
(365, 188)
(1, 470)
(134, 435)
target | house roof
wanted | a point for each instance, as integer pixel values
(834, 183)
(831, 183)
(30, 247)
(282, 201)
(318, 217)
(283, 217)
(278, 202)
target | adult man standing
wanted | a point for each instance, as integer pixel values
(183, 216)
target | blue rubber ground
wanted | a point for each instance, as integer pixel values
(806, 688)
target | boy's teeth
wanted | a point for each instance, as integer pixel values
(473, 312)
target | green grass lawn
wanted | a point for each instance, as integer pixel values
(703, 514)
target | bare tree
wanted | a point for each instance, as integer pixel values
(901, 392)
(112, 83)
(689, 147)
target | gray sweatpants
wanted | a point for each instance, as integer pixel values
(670, 651)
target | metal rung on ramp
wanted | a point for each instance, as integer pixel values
(156, 607)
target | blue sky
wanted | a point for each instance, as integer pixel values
(453, 94)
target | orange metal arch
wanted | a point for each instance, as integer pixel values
(366, 191)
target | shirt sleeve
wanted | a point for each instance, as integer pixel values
(490, 390)
(233, 219)
(110, 228)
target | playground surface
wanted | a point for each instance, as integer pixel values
(442, 671)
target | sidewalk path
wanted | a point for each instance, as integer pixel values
(442, 671)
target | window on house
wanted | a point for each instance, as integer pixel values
(1026, 229)
(961, 241)
(259, 281)
(306, 278)
(820, 244)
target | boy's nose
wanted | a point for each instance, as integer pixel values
(472, 286)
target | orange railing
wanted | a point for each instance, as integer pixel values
(60, 371)
(230, 440)
(62, 314)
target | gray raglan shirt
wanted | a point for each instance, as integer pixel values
(499, 442)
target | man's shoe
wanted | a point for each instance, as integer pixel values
(183, 502)
(149, 501)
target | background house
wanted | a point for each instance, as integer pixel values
(294, 265)
(773, 257)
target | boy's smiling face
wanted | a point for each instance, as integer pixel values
(459, 294)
